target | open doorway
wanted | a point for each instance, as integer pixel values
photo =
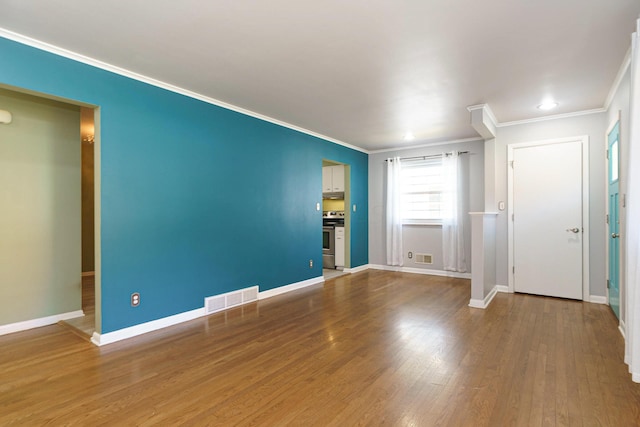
(40, 223)
(86, 325)
(335, 218)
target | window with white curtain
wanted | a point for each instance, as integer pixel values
(421, 191)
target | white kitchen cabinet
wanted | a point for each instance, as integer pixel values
(340, 247)
(327, 179)
(332, 179)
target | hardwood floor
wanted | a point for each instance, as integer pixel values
(372, 348)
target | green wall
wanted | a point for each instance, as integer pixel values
(40, 215)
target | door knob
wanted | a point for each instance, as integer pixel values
(574, 230)
(614, 235)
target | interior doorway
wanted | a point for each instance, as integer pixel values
(336, 218)
(40, 169)
(549, 219)
(86, 325)
(41, 158)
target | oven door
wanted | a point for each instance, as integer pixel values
(328, 240)
(328, 247)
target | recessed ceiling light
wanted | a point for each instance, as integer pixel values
(549, 105)
(409, 136)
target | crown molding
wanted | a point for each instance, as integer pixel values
(429, 144)
(56, 50)
(626, 63)
(554, 117)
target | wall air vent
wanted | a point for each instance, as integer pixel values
(213, 304)
(424, 259)
(221, 302)
(250, 294)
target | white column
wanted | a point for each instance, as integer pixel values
(483, 258)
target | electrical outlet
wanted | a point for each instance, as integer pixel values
(310, 263)
(410, 255)
(135, 299)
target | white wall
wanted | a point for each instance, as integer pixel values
(620, 104)
(592, 125)
(40, 215)
(417, 238)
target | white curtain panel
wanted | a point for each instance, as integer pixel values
(394, 213)
(632, 323)
(453, 253)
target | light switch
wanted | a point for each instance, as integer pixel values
(501, 206)
(317, 206)
(354, 208)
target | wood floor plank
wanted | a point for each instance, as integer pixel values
(372, 348)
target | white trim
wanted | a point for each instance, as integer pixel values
(154, 325)
(422, 222)
(56, 50)
(288, 288)
(88, 273)
(584, 140)
(485, 213)
(483, 121)
(476, 303)
(442, 273)
(143, 328)
(498, 125)
(622, 328)
(486, 109)
(609, 129)
(429, 144)
(554, 117)
(598, 299)
(626, 63)
(37, 323)
(357, 269)
(38, 44)
(502, 288)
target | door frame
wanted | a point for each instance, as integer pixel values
(615, 121)
(584, 140)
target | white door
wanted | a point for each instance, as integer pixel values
(547, 216)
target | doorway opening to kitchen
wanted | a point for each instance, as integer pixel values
(336, 218)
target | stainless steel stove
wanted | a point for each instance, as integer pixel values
(330, 220)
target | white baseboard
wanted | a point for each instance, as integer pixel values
(143, 328)
(502, 288)
(622, 329)
(597, 299)
(484, 303)
(37, 323)
(357, 269)
(88, 273)
(154, 325)
(288, 288)
(421, 271)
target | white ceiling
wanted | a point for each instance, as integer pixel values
(362, 72)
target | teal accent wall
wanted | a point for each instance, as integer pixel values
(196, 200)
